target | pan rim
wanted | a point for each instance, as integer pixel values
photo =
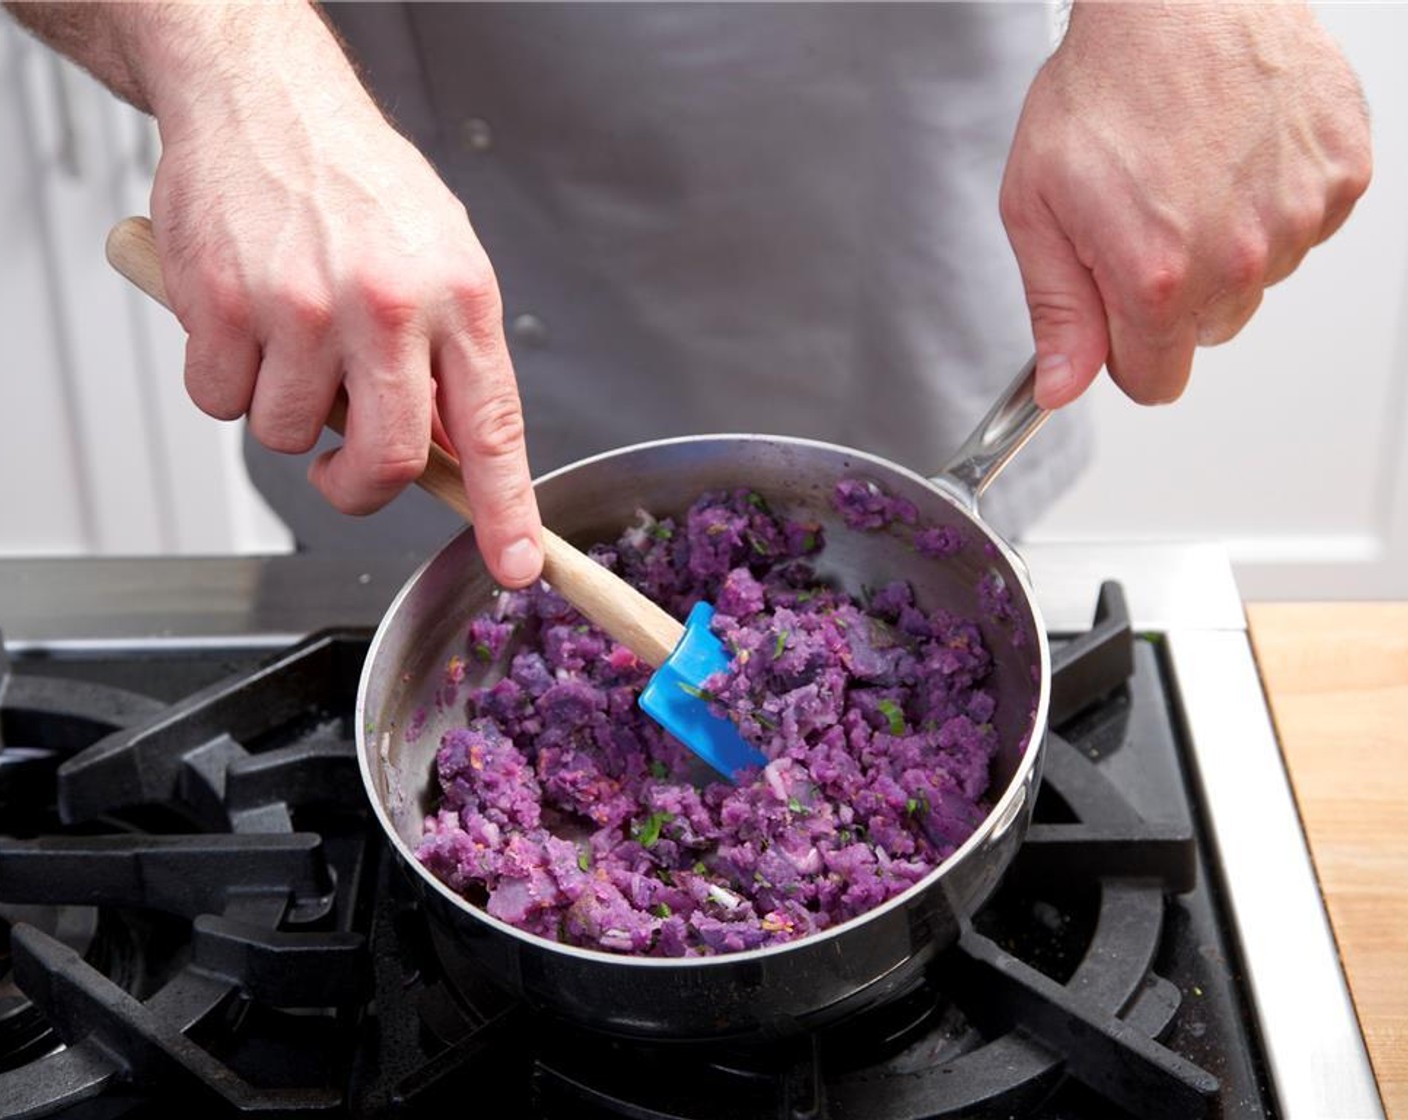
(1000, 817)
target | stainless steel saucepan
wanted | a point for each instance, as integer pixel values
(776, 990)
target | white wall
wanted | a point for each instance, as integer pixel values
(100, 450)
(1291, 444)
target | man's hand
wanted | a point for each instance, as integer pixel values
(1172, 161)
(308, 248)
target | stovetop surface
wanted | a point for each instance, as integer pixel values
(200, 975)
(87, 601)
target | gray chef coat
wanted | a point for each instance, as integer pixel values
(723, 218)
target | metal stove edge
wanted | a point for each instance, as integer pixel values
(1319, 1066)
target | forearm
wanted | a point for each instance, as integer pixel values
(91, 35)
(1247, 43)
(184, 60)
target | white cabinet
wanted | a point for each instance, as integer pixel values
(101, 452)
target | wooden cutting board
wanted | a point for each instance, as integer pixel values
(1336, 676)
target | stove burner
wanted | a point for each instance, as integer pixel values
(1052, 984)
(24, 1035)
(246, 912)
(44, 721)
(199, 906)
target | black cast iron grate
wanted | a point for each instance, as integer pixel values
(231, 828)
(994, 1035)
(179, 825)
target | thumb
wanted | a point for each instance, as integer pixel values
(1067, 312)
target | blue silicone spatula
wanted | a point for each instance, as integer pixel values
(683, 655)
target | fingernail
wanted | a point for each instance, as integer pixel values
(520, 562)
(1054, 376)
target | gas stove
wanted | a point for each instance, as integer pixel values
(197, 907)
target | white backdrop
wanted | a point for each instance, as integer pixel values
(1291, 445)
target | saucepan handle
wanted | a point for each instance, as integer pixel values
(1013, 419)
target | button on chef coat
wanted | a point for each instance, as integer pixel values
(724, 218)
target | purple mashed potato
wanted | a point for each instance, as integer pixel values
(570, 814)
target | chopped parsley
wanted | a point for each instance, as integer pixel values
(892, 712)
(780, 644)
(648, 833)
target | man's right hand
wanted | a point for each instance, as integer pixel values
(307, 247)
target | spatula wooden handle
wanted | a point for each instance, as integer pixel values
(609, 601)
(613, 604)
(131, 249)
